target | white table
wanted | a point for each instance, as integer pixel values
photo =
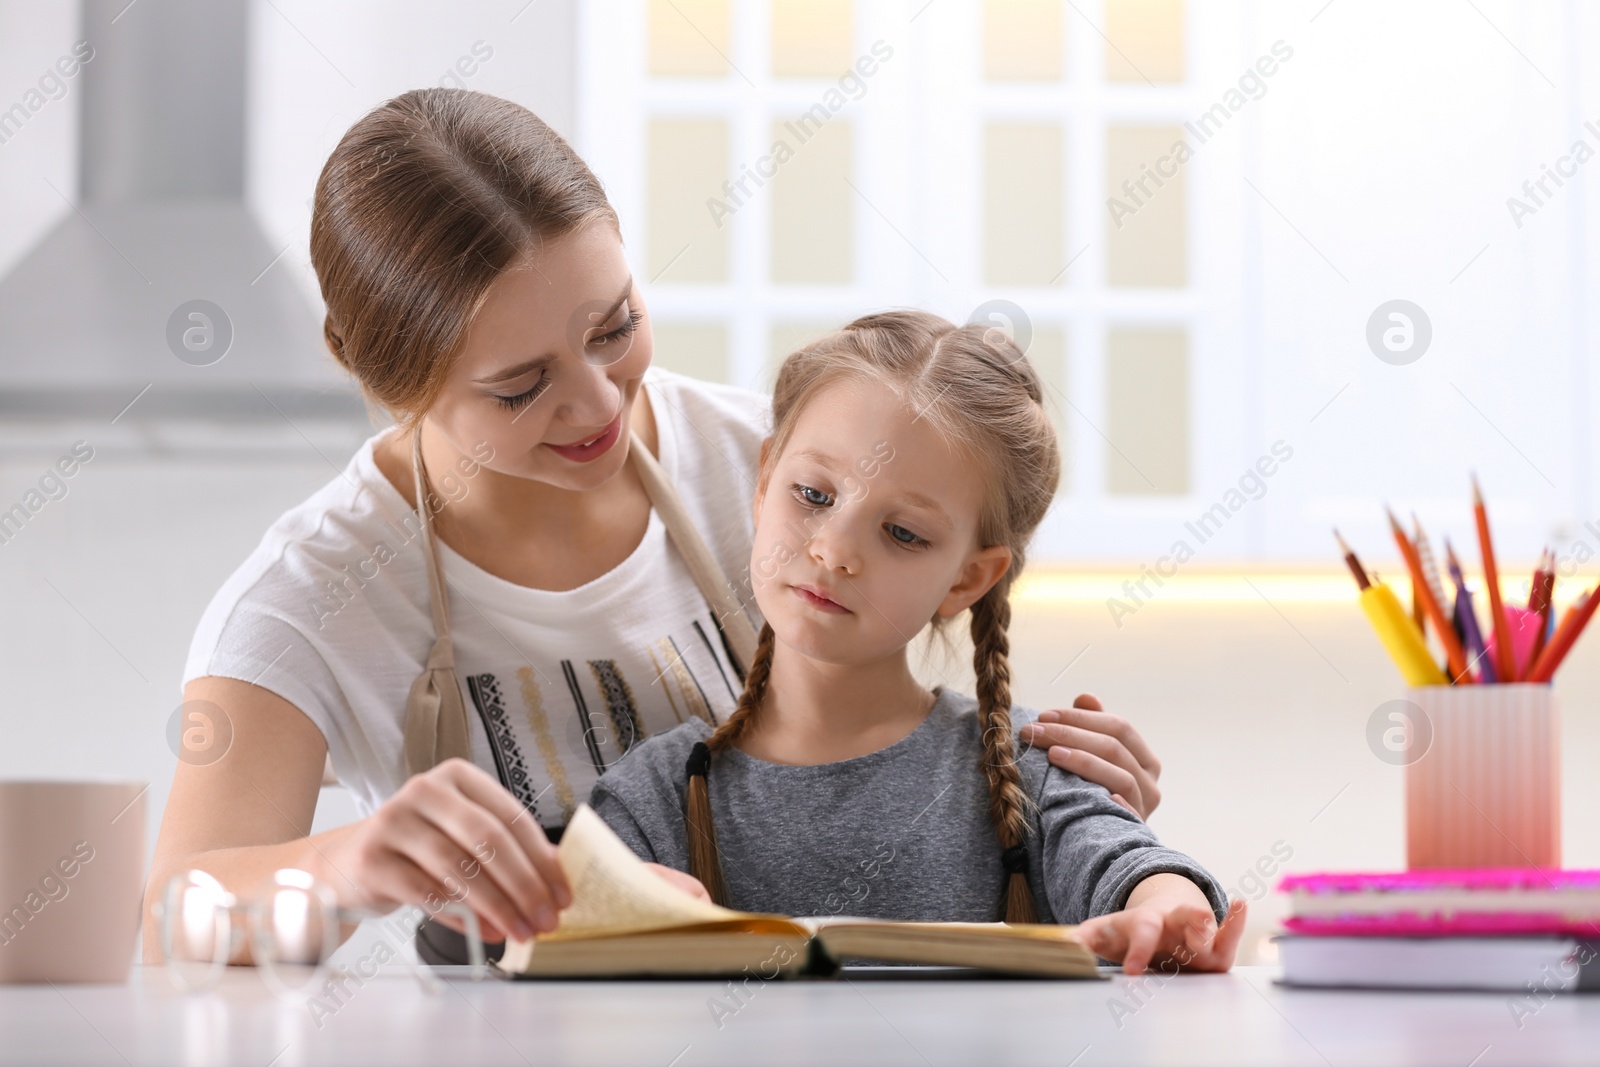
(1238, 1018)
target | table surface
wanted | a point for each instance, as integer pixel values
(395, 1018)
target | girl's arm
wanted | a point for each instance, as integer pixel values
(453, 833)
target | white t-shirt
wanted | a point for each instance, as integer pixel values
(331, 613)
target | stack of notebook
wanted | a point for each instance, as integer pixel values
(1506, 929)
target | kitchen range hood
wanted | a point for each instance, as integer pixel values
(103, 309)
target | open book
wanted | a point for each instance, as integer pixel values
(626, 921)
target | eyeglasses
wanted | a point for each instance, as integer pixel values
(292, 925)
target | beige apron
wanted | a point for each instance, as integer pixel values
(436, 715)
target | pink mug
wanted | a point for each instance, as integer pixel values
(71, 880)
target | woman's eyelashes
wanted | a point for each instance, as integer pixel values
(629, 324)
(512, 403)
(816, 500)
(523, 399)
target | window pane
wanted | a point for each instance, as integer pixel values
(810, 38)
(1147, 405)
(812, 204)
(787, 337)
(688, 162)
(1022, 40)
(1024, 192)
(698, 349)
(1048, 354)
(1147, 241)
(689, 38)
(1144, 41)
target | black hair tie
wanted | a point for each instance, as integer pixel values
(699, 760)
(1015, 859)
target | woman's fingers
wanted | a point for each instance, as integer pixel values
(443, 860)
(485, 850)
(476, 784)
(1088, 700)
(1087, 765)
(1107, 748)
(1107, 736)
(1103, 722)
(395, 880)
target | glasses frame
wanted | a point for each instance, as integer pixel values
(237, 920)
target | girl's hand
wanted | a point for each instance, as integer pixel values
(678, 880)
(1168, 923)
(1101, 748)
(452, 833)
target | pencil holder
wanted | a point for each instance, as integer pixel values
(1486, 790)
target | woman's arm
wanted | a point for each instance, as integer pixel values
(1102, 748)
(451, 831)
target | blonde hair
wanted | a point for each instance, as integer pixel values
(978, 390)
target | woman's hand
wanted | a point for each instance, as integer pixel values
(1167, 923)
(452, 834)
(1102, 748)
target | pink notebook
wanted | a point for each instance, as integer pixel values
(1424, 903)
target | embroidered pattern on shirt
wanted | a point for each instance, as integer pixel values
(485, 690)
(539, 724)
(619, 702)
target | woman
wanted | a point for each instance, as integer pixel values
(578, 505)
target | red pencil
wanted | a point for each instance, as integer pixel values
(1539, 600)
(1572, 625)
(1419, 582)
(1507, 662)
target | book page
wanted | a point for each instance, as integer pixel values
(612, 890)
(1026, 931)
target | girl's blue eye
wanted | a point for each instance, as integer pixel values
(512, 403)
(909, 538)
(815, 498)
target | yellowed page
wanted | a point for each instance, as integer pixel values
(612, 891)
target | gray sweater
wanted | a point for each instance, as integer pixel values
(901, 833)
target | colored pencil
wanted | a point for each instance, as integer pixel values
(1572, 625)
(1350, 561)
(1456, 658)
(1544, 591)
(1472, 636)
(1507, 665)
(1430, 569)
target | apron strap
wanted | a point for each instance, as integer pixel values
(708, 575)
(436, 714)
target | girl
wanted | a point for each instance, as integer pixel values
(909, 464)
(484, 607)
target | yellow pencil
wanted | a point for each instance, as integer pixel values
(1400, 636)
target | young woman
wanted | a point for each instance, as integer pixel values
(469, 696)
(910, 462)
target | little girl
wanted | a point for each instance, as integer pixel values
(909, 464)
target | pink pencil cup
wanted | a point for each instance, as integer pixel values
(1487, 790)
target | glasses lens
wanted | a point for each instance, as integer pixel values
(196, 929)
(295, 930)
